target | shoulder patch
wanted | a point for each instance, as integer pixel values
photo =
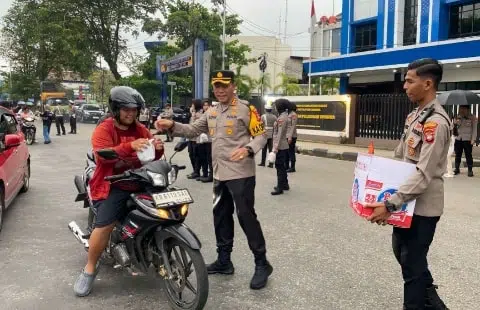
(256, 125)
(429, 131)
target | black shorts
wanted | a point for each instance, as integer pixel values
(113, 208)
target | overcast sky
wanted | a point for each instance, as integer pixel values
(261, 17)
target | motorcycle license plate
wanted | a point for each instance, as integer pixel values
(173, 198)
(95, 117)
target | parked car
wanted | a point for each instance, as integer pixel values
(14, 161)
(179, 115)
(89, 113)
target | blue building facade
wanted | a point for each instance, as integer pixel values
(379, 38)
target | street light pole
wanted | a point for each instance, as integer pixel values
(224, 35)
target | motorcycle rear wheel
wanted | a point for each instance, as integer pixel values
(181, 266)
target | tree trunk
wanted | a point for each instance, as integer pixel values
(113, 68)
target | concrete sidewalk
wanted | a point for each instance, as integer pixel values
(346, 151)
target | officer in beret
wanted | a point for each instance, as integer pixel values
(231, 125)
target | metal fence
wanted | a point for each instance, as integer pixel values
(382, 116)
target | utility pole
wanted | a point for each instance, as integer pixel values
(224, 35)
(263, 67)
(275, 55)
(286, 21)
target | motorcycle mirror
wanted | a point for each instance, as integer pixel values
(107, 154)
(181, 146)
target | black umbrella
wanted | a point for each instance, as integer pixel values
(459, 97)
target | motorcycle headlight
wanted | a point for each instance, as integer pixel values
(172, 176)
(157, 179)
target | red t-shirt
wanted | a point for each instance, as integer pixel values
(108, 136)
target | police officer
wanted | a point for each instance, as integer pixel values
(196, 110)
(280, 146)
(232, 124)
(466, 135)
(292, 137)
(268, 120)
(425, 143)
(167, 114)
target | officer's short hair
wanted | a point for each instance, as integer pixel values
(428, 67)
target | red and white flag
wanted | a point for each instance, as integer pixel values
(313, 17)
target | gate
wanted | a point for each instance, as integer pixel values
(382, 116)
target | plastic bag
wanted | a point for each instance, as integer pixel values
(203, 138)
(147, 154)
(271, 157)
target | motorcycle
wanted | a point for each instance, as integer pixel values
(153, 233)
(27, 125)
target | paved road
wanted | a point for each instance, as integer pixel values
(324, 256)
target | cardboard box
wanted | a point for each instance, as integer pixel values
(376, 179)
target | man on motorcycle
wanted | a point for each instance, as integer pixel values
(126, 136)
(27, 114)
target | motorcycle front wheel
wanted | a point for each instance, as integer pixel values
(187, 288)
(29, 137)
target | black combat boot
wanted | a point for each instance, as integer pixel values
(470, 172)
(263, 270)
(223, 264)
(432, 300)
(277, 191)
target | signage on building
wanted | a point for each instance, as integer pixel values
(326, 115)
(176, 64)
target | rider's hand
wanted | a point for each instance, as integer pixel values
(158, 144)
(140, 144)
(163, 124)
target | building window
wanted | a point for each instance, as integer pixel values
(336, 40)
(410, 22)
(465, 20)
(365, 37)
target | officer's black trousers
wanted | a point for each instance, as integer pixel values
(73, 124)
(239, 194)
(194, 158)
(205, 155)
(291, 156)
(410, 247)
(282, 177)
(268, 146)
(59, 122)
(459, 147)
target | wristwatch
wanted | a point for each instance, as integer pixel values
(390, 206)
(251, 153)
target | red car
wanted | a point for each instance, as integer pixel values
(14, 161)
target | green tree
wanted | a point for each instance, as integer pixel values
(288, 86)
(102, 83)
(186, 21)
(39, 39)
(107, 22)
(244, 83)
(150, 89)
(330, 85)
(265, 80)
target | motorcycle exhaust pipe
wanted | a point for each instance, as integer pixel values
(77, 232)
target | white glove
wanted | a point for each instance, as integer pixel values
(271, 157)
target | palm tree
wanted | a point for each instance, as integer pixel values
(289, 85)
(331, 84)
(244, 84)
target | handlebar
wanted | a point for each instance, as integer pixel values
(181, 167)
(116, 176)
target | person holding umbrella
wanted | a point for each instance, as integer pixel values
(465, 125)
(466, 130)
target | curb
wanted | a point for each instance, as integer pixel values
(348, 156)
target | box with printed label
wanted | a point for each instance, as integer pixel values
(375, 180)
